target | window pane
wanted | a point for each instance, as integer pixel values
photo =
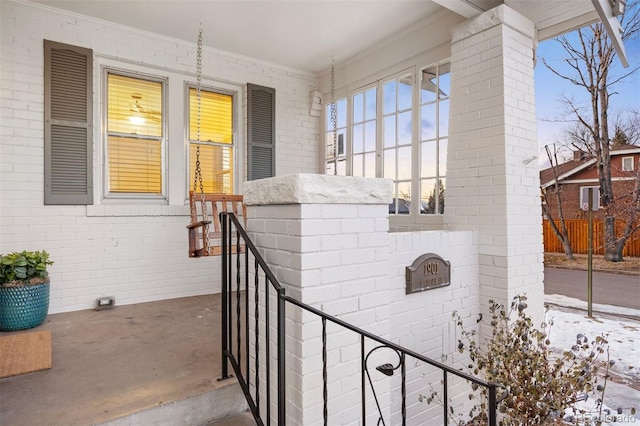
(389, 165)
(404, 162)
(443, 118)
(444, 80)
(216, 116)
(404, 92)
(216, 136)
(358, 136)
(370, 136)
(134, 106)
(342, 167)
(331, 147)
(216, 164)
(404, 128)
(357, 165)
(342, 113)
(135, 165)
(389, 131)
(370, 164)
(358, 113)
(441, 194)
(389, 93)
(442, 153)
(404, 190)
(429, 85)
(428, 121)
(371, 103)
(429, 200)
(432, 192)
(428, 159)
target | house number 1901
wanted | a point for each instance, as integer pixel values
(430, 268)
(427, 272)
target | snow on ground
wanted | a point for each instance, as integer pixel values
(623, 329)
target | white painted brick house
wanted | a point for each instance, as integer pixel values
(337, 253)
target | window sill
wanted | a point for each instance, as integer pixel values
(134, 210)
(407, 223)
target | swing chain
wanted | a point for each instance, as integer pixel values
(334, 117)
(197, 177)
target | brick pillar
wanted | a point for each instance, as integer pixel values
(492, 173)
(326, 238)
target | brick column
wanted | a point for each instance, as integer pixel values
(326, 238)
(492, 174)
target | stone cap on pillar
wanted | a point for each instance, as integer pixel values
(307, 188)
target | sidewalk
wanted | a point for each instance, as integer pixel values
(629, 266)
(581, 306)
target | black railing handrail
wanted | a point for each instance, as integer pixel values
(227, 217)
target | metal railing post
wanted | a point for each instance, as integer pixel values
(493, 402)
(282, 400)
(445, 398)
(225, 348)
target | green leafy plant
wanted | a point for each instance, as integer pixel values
(26, 267)
(544, 387)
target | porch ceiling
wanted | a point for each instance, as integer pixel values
(307, 34)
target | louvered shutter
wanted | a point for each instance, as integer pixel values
(68, 133)
(261, 117)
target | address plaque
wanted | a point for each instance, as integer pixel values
(427, 272)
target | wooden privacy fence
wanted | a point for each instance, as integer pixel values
(578, 230)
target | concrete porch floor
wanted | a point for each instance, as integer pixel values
(148, 363)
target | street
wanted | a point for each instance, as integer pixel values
(608, 289)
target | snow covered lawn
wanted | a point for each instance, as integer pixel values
(624, 348)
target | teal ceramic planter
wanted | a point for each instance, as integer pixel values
(24, 306)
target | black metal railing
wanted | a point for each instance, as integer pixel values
(257, 358)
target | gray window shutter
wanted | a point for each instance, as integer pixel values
(68, 133)
(261, 126)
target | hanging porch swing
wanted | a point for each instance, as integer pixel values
(205, 234)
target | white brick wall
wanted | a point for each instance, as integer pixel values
(135, 252)
(492, 131)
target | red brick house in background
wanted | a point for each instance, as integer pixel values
(575, 178)
(580, 173)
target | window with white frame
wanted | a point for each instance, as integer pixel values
(214, 129)
(627, 164)
(398, 129)
(135, 139)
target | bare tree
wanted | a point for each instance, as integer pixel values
(589, 60)
(561, 231)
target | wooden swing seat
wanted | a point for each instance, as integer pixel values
(199, 245)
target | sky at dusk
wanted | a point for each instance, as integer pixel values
(550, 89)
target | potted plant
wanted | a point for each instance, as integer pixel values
(24, 289)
